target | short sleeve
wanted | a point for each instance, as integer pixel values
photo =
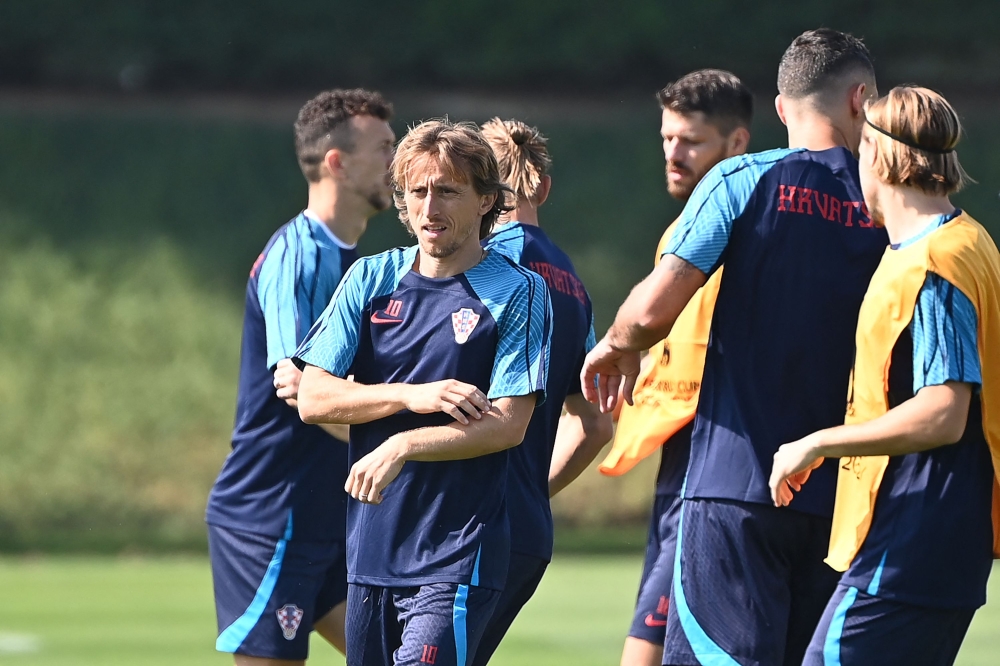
(944, 331)
(702, 231)
(521, 365)
(277, 278)
(333, 341)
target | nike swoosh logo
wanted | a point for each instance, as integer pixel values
(653, 622)
(380, 320)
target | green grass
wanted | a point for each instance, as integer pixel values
(105, 612)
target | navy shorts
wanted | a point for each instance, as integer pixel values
(439, 624)
(650, 620)
(523, 576)
(860, 629)
(268, 592)
(749, 585)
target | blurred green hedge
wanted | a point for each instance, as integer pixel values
(523, 44)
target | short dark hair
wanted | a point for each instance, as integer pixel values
(818, 59)
(720, 95)
(322, 124)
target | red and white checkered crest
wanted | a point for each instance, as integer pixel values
(289, 617)
(464, 322)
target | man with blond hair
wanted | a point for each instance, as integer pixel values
(558, 446)
(448, 346)
(912, 527)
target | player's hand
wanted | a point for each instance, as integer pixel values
(370, 475)
(286, 380)
(458, 399)
(793, 463)
(613, 370)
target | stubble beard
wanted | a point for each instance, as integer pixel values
(438, 252)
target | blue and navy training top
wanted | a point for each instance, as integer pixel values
(799, 248)
(573, 329)
(931, 537)
(284, 478)
(438, 522)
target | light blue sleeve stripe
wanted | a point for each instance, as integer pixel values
(276, 293)
(333, 341)
(459, 616)
(944, 330)
(519, 302)
(591, 341)
(704, 226)
(233, 636)
(877, 576)
(831, 646)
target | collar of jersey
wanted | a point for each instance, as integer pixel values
(312, 217)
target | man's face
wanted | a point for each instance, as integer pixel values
(870, 183)
(444, 212)
(691, 147)
(366, 166)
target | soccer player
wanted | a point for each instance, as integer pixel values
(749, 582)
(276, 515)
(706, 118)
(448, 345)
(912, 525)
(568, 442)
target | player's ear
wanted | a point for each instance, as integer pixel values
(542, 193)
(737, 141)
(486, 202)
(333, 163)
(859, 95)
(779, 106)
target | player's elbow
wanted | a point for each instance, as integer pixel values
(309, 410)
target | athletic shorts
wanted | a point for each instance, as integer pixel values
(439, 624)
(650, 620)
(268, 592)
(523, 576)
(860, 629)
(749, 584)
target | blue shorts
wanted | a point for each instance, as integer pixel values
(268, 592)
(650, 620)
(749, 584)
(860, 629)
(439, 624)
(523, 576)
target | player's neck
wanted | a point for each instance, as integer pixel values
(907, 211)
(343, 215)
(467, 256)
(524, 213)
(817, 135)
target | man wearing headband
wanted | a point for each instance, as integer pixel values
(749, 582)
(912, 525)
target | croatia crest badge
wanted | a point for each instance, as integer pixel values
(289, 617)
(464, 322)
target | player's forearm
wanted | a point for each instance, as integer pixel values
(935, 417)
(324, 398)
(653, 305)
(502, 427)
(578, 441)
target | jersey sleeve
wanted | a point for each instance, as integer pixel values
(521, 366)
(944, 331)
(701, 233)
(333, 341)
(281, 300)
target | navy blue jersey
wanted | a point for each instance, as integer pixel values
(438, 522)
(931, 537)
(281, 471)
(800, 249)
(573, 330)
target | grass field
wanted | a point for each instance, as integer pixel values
(110, 612)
